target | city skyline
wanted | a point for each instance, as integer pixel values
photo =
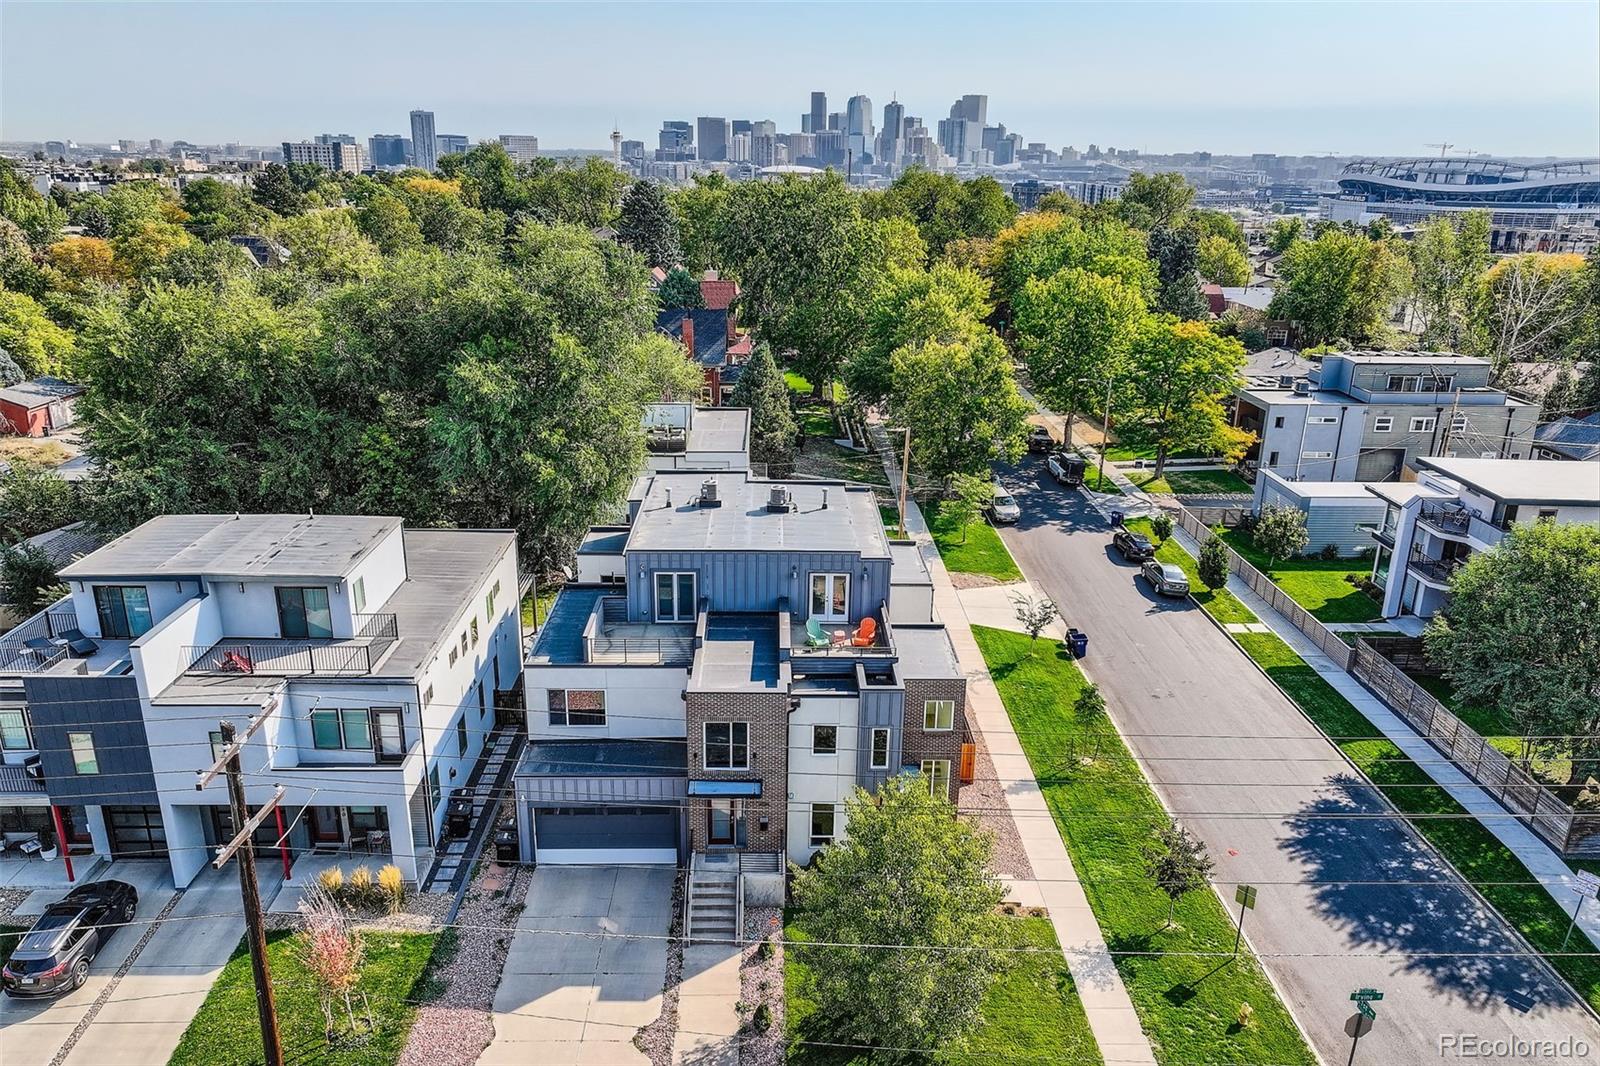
(1127, 78)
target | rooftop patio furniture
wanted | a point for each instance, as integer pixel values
(41, 648)
(816, 636)
(867, 635)
(80, 646)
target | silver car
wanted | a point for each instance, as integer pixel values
(1166, 579)
(1003, 510)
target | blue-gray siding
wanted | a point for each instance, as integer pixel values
(756, 581)
(108, 709)
(880, 709)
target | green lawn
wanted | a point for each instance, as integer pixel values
(1189, 482)
(547, 596)
(981, 552)
(224, 1031)
(1032, 1013)
(891, 520)
(1124, 453)
(1092, 478)
(1472, 849)
(801, 387)
(1321, 586)
(1222, 604)
(1188, 1004)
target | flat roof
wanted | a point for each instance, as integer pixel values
(1524, 480)
(1410, 355)
(719, 429)
(244, 546)
(924, 652)
(604, 758)
(908, 566)
(603, 542)
(848, 523)
(1317, 490)
(561, 630)
(740, 654)
(1400, 492)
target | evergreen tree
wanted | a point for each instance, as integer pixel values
(772, 428)
(649, 226)
(275, 190)
(679, 289)
(1177, 256)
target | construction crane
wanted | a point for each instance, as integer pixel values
(1443, 148)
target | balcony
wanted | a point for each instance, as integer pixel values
(1433, 571)
(842, 637)
(1447, 520)
(52, 641)
(355, 656)
(608, 637)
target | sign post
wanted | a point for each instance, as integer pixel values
(1360, 1023)
(1245, 897)
(1588, 888)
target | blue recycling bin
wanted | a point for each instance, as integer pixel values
(1079, 641)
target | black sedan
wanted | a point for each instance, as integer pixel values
(1135, 547)
(54, 955)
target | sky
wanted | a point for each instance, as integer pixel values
(1283, 76)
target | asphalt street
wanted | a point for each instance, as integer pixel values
(1278, 807)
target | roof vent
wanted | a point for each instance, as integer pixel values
(1285, 381)
(824, 499)
(778, 500)
(708, 493)
(1302, 387)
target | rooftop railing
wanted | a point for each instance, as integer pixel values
(299, 657)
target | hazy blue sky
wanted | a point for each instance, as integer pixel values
(1381, 78)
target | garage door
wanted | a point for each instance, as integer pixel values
(136, 832)
(607, 834)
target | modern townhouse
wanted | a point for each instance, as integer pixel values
(371, 654)
(731, 663)
(1367, 416)
(685, 436)
(1457, 507)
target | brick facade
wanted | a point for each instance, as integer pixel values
(768, 715)
(918, 743)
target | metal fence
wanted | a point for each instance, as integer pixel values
(1327, 641)
(1551, 818)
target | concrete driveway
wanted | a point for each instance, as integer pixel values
(566, 999)
(1349, 896)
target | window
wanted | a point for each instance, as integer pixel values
(303, 612)
(473, 629)
(1383, 424)
(433, 787)
(824, 740)
(483, 704)
(1272, 459)
(1316, 455)
(335, 730)
(463, 642)
(14, 734)
(1546, 516)
(325, 732)
(124, 611)
(1422, 425)
(83, 758)
(880, 749)
(427, 697)
(1323, 420)
(675, 597)
(1403, 383)
(937, 771)
(358, 593)
(1277, 423)
(454, 655)
(357, 728)
(577, 706)
(830, 597)
(823, 817)
(727, 746)
(461, 735)
(488, 602)
(939, 715)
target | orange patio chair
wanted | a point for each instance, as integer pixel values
(867, 635)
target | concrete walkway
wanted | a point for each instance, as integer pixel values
(1544, 864)
(995, 606)
(708, 1014)
(1112, 1018)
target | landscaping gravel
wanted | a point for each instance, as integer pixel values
(10, 900)
(761, 981)
(656, 1039)
(984, 801)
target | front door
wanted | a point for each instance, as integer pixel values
(390, 735)
(723, 816)
(327, 825)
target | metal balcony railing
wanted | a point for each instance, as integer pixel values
(1438, 570)
(291, 657)
(32, 646)
(1446, 517)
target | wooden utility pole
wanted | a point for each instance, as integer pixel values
(1105, 438)
(905, 481)
(244, 826)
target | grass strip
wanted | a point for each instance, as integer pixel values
(1322, 586)
(976, 550)
(1190, 482)
(1188, 1005)
(1223, 605)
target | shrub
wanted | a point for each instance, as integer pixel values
(1213, 563)
(393, 888)
(361, 890)
(331, 880)
(762, 1021)
(1329, 552)
(1280, 533)
(1161, 525)
(1246, 1013)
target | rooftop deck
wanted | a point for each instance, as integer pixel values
(588, 625)
(740, 653)
(39, 646)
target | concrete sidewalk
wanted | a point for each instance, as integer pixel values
(1544, 864)
(708, 1006)
(1112, 1018)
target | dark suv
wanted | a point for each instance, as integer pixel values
(1135, 547)
(54, 955)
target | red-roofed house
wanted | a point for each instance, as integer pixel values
(717, 293)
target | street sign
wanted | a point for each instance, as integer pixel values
(1245, 896)
(1362, 995)
(1588, 883)
(1365, 1011)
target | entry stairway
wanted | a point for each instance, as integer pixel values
(715, 904)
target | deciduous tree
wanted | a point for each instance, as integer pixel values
(912, 305)
(1181, 373)
(1075, 329)
(1178, 864)
(1340, 287)
(1281, 532)
(1221, 262)
(1213, 563)
(33, 500)
(961, 402)
(1448, 258)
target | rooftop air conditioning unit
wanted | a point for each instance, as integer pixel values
(1285, 381)
(779, 500)
(708, 493)
(1302, 387)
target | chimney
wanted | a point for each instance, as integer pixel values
(733, 334)
(688, 335)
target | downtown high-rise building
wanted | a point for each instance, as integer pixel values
(424, 150)
(387, 150)
(521, 147)
(450, 144)
(713, 135)
(961, 135)
(858, 126)
(891, 139)
(817, 120)
(336, 155)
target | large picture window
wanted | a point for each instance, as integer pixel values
(824, 817)
(937, 771)
(675, 597)
(84, 760)
(124, 611)
(939, 715)
(880, 749)
(727, 746)
(303, 612)
(576, 706)
(349, 729)
(830, 597)
(14, 735)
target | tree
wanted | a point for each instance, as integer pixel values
(28, 579)
(663, 373)
(84, 261)
(1284, 232)
(1075, 330)
(275, 190)
(648, 225)
(962, 404)
(1213, 563)
(969, 493)
(1178, 863)
(1161, 526)
(38, 345)
(772, 429)
(699, 207)
(908, 872)
(947, 209)
(145, 247)
(1531, 307)
(217, 210)
(1038, 245)
(1448, 258)
(1177, 257)
(1221, 262)
(679, 289)
(1034, 613)
(10, 372)
(1340, 287)
(1181, 373)
(386, 221)
(1281, 532)
(1149, 201)
(1521, 632)
(1216, 224)
(1090, 704)
(911, 305)
(33, 500)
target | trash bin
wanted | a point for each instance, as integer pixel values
(506, 847)
(1079, 642)
(1116, 518)
(458, 816)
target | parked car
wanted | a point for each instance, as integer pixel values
(1066, 468)
(1001, 508)
(54, 956)
(1040, 442)
(1135, 547)
(1166, 579)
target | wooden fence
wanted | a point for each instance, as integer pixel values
(1326, 640)
(1550, 817)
